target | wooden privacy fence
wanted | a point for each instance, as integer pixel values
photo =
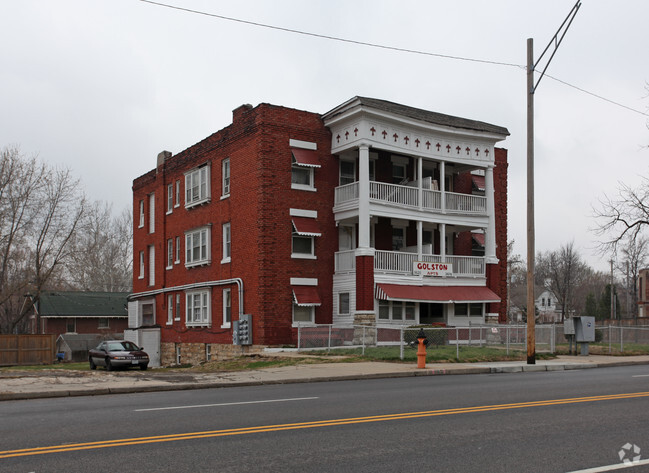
(27, 350)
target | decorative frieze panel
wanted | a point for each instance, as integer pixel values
(411, 142)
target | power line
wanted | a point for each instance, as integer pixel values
(334, 38)
(596, 96)
(386, 47)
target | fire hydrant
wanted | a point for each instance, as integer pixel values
(422, 343)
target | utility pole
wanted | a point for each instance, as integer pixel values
(531, 88)
(531, 305)
(612, 294)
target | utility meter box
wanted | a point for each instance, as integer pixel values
(584, 329)
(569, 326)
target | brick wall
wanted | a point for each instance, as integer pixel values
(497, 278)
(257, 145)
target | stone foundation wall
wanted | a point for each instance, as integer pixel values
(196, 353)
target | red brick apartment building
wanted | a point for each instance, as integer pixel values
(374, 213)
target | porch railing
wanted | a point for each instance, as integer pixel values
(408, 197)
(345, 261)
(346, 193)
(466, 203)
(400, 262)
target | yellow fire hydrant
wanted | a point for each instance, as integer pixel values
(422, 342)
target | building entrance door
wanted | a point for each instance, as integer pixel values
(430, 313)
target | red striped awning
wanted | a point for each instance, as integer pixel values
(306, 295)
(306, 157)
(306, 226)
(478, 182)
(448, 294)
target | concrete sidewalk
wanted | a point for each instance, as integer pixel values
(16, 384)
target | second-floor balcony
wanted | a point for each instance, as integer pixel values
(410, 196)
(401, 262)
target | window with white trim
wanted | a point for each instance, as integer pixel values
(227, 307)
(226, 243)
(141, 276)
(197, 186)
(198, 308)
(177, 204)
(103, 323)
(170, 309)
(347, 172)
(396, 310)
(301, 176)
(177, 307)
(398, 173)
(177, 250)
(170, 253)
(141, 224)
(170, 198)
(302, 245)
(303, 314)
(151, 265)
(225, 177)
(465, 309)
(343, 303)
(151, 213)
(197, 247)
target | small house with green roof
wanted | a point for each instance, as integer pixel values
(76, 312)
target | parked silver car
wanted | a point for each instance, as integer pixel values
(117, 354)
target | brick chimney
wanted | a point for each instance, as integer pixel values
(162, 157)
(238, 112)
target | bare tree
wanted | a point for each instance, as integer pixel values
(40, 209)
(516, 282)
(562, 271)
(622, 217)
(635, 253)
(102, 251)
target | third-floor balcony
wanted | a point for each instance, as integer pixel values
(412, 197)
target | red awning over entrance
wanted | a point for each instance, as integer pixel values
(306, 295)
(306, 226)
(398, 292)
(306, 157)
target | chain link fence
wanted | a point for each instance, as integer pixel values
(465, 342)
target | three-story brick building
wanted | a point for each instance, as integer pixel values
(374, 212)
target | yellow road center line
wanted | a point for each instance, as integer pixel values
(308, 425)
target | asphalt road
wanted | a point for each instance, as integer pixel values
(523, 422)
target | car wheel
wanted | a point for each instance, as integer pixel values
(93, 366)
(144, 367)
(109, 367)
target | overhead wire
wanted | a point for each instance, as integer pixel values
(387, 47)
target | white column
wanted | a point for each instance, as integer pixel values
(490, 236)
(442, 241)
(442, 184)
(420, 192)
(364, 196)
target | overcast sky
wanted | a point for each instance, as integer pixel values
(102, 86)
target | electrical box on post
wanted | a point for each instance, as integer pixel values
(585, 329)
(569, 326)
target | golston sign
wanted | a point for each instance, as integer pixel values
(425, 268)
